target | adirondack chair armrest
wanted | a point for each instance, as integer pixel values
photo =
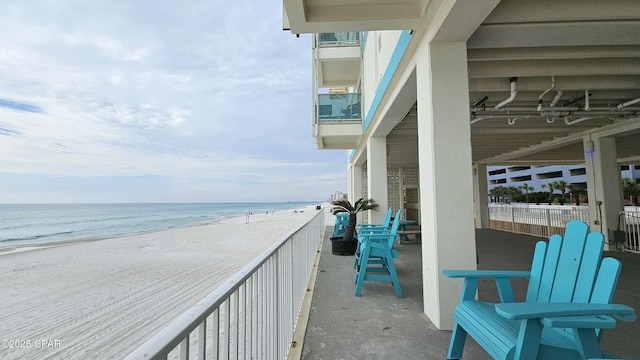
(580, 322)
(364, 226)
(521, 311)
(374, 230)
(501, 278)
(485, 274)
(366, 233)
(375, 237)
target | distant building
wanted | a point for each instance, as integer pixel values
(536, 176)
(339, 196)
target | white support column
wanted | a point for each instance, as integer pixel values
(355, 188)
(446, 179)
(604, 185)
(481, 196)
(377, 176)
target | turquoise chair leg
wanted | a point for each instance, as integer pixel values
(393, 273)
(361, 270)
(456, 346)
(356, 259)
(528, 339)
(587, 343)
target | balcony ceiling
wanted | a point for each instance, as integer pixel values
(314, 16)
(338, 66)
(591, 46)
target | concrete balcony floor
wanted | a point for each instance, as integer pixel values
(378, 325)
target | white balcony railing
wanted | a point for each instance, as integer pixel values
(338, 39)
(253, 315)
(339, 107)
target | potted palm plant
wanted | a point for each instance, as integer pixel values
(348, 244)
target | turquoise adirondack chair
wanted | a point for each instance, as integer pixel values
(342, 220)
(381, 232)
(375, 262)
(568, 303)
(365, 229)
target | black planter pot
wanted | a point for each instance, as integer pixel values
(341, 247)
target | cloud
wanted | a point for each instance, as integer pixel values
(211, 92)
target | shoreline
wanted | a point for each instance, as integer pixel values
(14, 249)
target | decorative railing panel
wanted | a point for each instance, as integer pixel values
(332, 107)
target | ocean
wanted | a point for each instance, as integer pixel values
(37, 224)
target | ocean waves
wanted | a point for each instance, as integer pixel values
(36, 224)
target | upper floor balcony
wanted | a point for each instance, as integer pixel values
(338, 121)
(337, 58)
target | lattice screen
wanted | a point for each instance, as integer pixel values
(394, 192)
(410, 176)
(365, 193)
(397, 178)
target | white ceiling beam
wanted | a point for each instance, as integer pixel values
(561, 67)
(510, 130)
(517, 11)
(463, 19)
(534, 149)
(516, 35)
(564, 52)
(629, 160)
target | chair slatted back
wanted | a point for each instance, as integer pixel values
(393, 232)
(569, 263)
(387, 218)
(589, 270)
(567, 269)
(606, 281)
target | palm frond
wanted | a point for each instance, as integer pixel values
(358, 206)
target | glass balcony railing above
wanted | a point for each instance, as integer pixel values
(339, 39)
(333, 107)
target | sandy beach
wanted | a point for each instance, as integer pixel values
(101, 299)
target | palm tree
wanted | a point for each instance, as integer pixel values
(563, 186)
(501, 191)
(493, 193)
(576, 192)
(631, 189)
(513, 192)
(526, 189)
(361, 204)
(550, 187)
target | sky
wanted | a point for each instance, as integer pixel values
(157, 101)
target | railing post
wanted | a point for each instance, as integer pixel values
(548, 211)
(184, 349)
(276, 308)
(215, 334)
(513, 219)
(202, 340)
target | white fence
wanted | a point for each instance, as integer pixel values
(546, 221)
(251, 316)
(630, 223)
(542, 221)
